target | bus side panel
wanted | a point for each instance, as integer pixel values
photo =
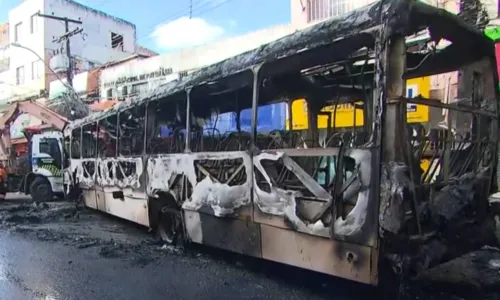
(273, 225)
(89, 198)
(215, 183)
(120, 189)
(100, 198)
(230, 234)
(342, 259)
(82, 172)
(131, 208)
(322, 255)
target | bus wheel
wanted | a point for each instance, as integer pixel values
(168, 227)
(41, 190)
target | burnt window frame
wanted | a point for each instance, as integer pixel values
(95, 124)
(121, 116)
(180, 109)
(79, 134)
(99, 126)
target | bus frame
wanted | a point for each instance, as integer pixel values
(231, 195)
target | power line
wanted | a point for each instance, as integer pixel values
(175, 16)
(172, 17)
(66, 38)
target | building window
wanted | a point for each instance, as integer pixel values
(139, 88)
(34, 23)
(117, 41)
(36, 70)
(20, 75)
(125, 91)
(109, 94)
(17, 32)
(318, 10)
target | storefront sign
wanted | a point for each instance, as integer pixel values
(123, 80)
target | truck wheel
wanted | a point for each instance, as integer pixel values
(41, 190)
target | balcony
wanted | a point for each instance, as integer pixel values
(323, 9)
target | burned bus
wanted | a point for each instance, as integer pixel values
(339, 203)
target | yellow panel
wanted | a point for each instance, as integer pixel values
(420, 86)
(344, 115)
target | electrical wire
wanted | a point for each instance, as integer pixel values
(209, 7)
(178, 14)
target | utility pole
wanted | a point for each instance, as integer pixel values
(65, 37)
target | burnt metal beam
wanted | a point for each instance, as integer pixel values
(445, 60)
(188, 121)
(255, 101)
(322, 55)
(456, 107)
(395, 89)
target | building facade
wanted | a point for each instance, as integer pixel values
(32, 44)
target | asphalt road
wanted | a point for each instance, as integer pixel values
(31, 268)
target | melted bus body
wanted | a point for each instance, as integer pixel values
(333, 201)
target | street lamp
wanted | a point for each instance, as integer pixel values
(68, 87)
(17, 45)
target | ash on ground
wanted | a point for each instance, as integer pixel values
(73, 225)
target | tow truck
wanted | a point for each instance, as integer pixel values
(39, 172)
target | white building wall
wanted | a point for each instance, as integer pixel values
(20, 33)
(166, 67)
(97, 27)
(93, 45)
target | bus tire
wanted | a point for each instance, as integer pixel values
(41, 190)
(168, 223)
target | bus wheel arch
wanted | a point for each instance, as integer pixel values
(166, 218)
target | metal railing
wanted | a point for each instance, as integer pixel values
(324, 9)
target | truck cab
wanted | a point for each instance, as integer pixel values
(40, 169)
(45, 162)
(46, 154)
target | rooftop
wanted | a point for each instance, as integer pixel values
(103, 14)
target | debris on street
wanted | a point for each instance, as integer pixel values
(79, 227)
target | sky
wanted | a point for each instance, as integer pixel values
(165, 25)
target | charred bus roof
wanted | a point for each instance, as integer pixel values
(282, 62)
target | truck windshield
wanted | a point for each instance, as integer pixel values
(50, 146)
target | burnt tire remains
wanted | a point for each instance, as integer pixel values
(168, 220)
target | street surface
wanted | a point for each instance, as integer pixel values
(57, 251)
